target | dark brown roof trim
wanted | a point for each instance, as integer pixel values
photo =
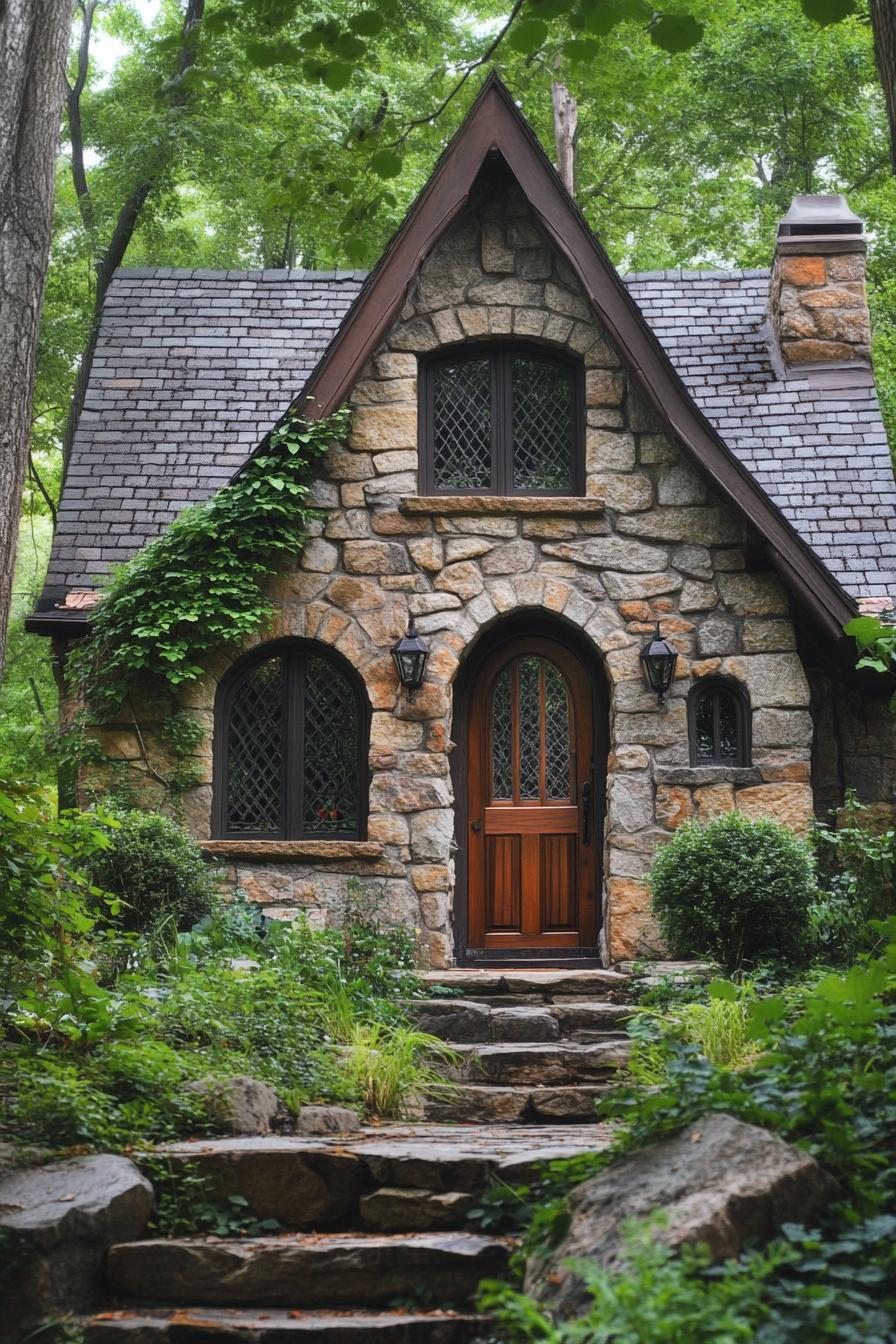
(55, 621)
(496, 125)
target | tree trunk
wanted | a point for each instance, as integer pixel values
(33, 46)
(566, 127)
(883, 22)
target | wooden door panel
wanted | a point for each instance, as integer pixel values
(532, 877)
(526, 820)
(503, 890)
(559, 903)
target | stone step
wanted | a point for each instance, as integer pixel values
(535, 985)
(545, 1065)
(474, 1103)
(472, 1021)
(397, 1208)
(201, 1326)
(315, 1181)
(296, 1270)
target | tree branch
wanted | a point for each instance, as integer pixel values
(474, 65)
(73, 109)
(35, 476)
(864, 178)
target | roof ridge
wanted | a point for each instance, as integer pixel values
(263, 274)
(696, 273)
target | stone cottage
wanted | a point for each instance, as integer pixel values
(547, 460)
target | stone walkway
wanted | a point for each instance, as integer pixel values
(379, 1243)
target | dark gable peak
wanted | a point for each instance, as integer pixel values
(495, 129)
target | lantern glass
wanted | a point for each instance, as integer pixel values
(659, 658)
(410, 655)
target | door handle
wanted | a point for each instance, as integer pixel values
(586, 812)
(476, 825)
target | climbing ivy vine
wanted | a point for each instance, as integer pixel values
(876, 644)
(200, 585)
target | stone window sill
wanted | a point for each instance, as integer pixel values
(693, 776)
(322, 850)
(571, 506)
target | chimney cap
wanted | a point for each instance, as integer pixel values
(825, 215)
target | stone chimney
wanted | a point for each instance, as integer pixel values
(818, 309)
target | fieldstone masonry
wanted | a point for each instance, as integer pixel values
(662, 547)
(818, 304)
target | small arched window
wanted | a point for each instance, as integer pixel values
(501, 420)
(291, 747)
(719, 723)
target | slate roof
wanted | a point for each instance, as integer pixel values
(193, 367)
(815, 442)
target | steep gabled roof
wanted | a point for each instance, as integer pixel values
(496, 126)
(170, 418)
(193, 367)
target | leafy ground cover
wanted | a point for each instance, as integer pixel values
(808, 1054)
(805, 1047)
(113, 1006)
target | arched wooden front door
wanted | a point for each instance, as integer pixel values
(532, 806)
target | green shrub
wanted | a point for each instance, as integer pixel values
(157, 870)
(823, 1082)
(45, 889)
(734, 889)
(857, 872)
(801, 1288)
(660, 1298)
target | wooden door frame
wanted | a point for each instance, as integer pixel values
(570, 637)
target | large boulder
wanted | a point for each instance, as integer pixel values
(56, 1223)
(719, 1182)
(240, 1105)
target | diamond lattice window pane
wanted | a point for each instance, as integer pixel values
(556, 731)
(728, 743)
(331, 749)
(255, 752)
(543, 425)
(530, 728)
(462, 399)
(705, 732)
(502, 736)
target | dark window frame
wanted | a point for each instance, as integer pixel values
(713, 686)
(500, 355)
(294, 652)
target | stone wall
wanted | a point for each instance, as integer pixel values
(663, 548)
(819, 308)
(854, 742)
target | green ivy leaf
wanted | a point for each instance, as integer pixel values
(337, 75)
(349, 47)
(218, 20)
(386, 163)
(864, 629)
(527, 36)
(582, 50)
(826, 12)
(676, 32)
(366, 24)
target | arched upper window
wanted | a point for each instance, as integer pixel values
(501, 420)
(291, 747)
(719, 723)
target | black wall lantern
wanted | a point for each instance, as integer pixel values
(659, 658)
(410, 655)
